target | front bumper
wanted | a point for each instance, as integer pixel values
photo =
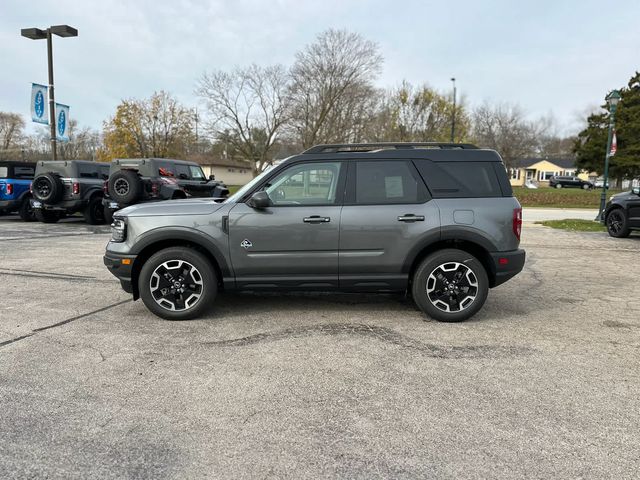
(506, 265)
(121, 267)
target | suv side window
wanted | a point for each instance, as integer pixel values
(166, 169)
(305, 184)
(182, 172)
(23, 172)
(387, 182)
(460, 179)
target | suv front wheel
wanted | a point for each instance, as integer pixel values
(450, 285)
(177, 283)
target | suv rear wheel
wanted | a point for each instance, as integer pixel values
(46, 216)
(617, 224)
(94, 211)
(177, 283)
(26, 210)
(450, 285)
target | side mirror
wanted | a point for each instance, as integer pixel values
(259, 200)
(636, 190)
(212, 177)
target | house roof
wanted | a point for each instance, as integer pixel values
(564, 163)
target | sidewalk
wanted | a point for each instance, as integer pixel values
(540, 214)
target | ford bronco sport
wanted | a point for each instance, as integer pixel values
(436, 220)
(134, 181)
(15, 180)
(66, 187)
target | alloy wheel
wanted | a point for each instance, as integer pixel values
(452, 287)
(176, 285)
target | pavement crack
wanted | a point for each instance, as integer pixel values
(63, 322)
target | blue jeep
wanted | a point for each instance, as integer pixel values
(15, 180)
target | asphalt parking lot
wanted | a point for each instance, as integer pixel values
(544, 382)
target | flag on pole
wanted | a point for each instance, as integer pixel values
(39, 110)
(62, 122)
(614, 145)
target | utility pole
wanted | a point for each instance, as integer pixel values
(453, 116)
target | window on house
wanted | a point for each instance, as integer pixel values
(515, 174)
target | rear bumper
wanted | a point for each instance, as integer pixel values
(506, 265)
(10, 205)
(65, 205)
(121, 267)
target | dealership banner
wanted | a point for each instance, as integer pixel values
(39, 110)
(62, 122)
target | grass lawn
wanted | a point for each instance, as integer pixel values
(575, 225)
(560, 197)
(234, 188)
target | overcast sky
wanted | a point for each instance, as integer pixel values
(548, 56)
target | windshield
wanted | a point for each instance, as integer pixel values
(4, 171)
(238, 195)
(196, 173)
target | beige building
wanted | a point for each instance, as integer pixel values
(231, 172)
(539, 170)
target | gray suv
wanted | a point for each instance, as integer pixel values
(436, 220)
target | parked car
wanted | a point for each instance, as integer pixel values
(66, 187)
(599, 183)
(15, 180)
(622, 213)
(569, 182)
(133, 181)
(437, 220)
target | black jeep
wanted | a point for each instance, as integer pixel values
(622, 214)
(140, 180)
(65, 187)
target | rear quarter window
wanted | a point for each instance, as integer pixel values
(461, 179)
(4, 172)
(23, 172)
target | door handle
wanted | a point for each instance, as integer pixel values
(316, 219)
(410, 217)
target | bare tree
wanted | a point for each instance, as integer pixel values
(332, 81)
(82, 145)
(11, 129)
(248, 109)
(504, 128)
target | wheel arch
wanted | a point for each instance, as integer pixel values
(167, 238)
(473, 247)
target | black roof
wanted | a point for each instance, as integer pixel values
(18, 163)
(566, 163)
(424, 150)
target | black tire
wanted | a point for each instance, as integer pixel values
(617, 223)
(558, 185)
(108, 215)
(207, 289)
(26, 211)
(47, 187)
(46, 216)
(93, 213)
(125, 186)
(433, 273)
(586, 186)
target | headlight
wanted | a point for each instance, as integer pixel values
(118, 230)
(611, 197)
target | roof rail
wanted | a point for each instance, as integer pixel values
(368, 147)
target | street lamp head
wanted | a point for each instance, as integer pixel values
(613, 98)
(64, 31)
(453, 79)
(33, 33)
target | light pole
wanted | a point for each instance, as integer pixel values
(453, 116)
(612, 100)
(38, 34)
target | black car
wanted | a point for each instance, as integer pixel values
(623, 213)
(569, 182)
(65, 187)
(139, 180)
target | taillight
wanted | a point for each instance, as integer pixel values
(105, 187)
(155, 188)
(517, 222)
(9, 189)
(76, 188)
(31, 187)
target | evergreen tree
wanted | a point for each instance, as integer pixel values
(591, 144)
